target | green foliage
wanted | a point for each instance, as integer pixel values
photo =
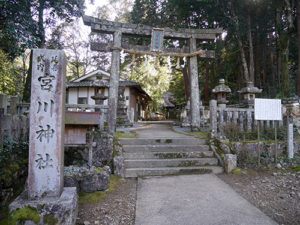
(296, 168)
(11, 76)
(13, 165)
(23, 22)
(177, 87)
(154, 76)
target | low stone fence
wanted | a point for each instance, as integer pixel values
(14, 127)
(252, 153)
(242, 117)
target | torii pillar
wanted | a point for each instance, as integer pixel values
(114, 84)
(194, 88)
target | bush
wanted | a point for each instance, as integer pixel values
(13, 167)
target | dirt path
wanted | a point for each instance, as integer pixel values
(277, 194)
(117, 208)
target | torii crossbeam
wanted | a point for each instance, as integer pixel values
(123, 29)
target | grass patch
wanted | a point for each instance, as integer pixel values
(238, 171)
(114, 182)
(200, 134)
(92, 198)
(122, 134)
(296, 168)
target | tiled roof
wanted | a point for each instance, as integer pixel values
(105, 84)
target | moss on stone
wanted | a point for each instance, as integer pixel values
(50, 219)
(171, 155)
(99, 170)
(19, 216)
(157, 140)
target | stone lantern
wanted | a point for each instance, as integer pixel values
(249, 94)
(221, 92)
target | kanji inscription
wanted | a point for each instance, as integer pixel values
(46, 123)
(45, 134)
(44, 162)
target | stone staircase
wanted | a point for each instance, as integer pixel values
(168, 156)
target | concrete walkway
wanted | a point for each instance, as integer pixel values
(158, 130)
(193, 200)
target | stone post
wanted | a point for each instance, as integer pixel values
(249, 120)
(46, 137)
(14, 105)
(114, 84)
(213, 116)
(241, 120)
(3, 103)
(194, 85)
(230, 162)
(290, 136)
(1, 127)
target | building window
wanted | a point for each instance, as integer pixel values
(127, 97)
(82, 100)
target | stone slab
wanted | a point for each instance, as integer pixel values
(47, 112)
(64, 209)
(193, 199)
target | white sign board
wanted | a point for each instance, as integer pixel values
(267, 109)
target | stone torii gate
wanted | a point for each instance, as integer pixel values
(120, 30)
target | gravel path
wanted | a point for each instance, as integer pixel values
(118, 208)
(277, 194)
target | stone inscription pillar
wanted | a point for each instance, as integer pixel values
(114, 84)
(46, 137)
(194, 85)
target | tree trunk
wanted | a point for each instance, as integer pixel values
(251, 57)
(298, 30)
(41, 30)
(244, 62)
(284, 56)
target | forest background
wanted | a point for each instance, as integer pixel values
(260, 43)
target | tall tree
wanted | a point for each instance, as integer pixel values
(23, 22)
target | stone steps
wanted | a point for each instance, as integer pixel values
(165, 148)
(157, 163)
(163, 171)
(162, 141)
(168, 155)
